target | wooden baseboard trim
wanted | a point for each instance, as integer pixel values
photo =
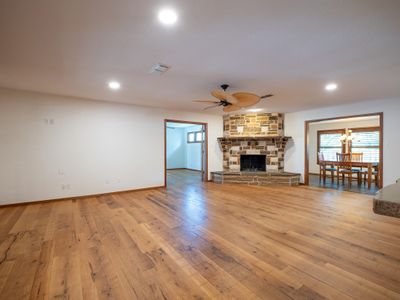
(175, 169)
(80, 197)
(193, 170)
(327, 175)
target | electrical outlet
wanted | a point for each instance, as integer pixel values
(48, 121)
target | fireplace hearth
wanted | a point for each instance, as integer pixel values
(252, 163)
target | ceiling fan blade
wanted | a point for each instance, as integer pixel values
(266, 96)
(231, 108)
(246, 99)
(221, 95)
(206, 101)
(212, 106)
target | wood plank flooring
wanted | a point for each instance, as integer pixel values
(201, 241)
(363, 188)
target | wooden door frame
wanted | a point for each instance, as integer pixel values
(205, 145)
(306, 139)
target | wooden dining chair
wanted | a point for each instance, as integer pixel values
(323, 168)
(358, 157)
(375, 177)
(345, 167)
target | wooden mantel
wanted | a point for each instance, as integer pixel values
(254, 138)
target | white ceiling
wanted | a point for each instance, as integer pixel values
(288, 48)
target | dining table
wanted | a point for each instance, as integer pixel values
(358, 164)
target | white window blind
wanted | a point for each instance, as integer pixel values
(366, 142)
(329, 145)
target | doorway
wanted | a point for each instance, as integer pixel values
(356, 138)
(185, 152)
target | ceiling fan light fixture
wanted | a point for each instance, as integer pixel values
(254, 110)
(236, 101)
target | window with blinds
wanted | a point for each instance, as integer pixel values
(195, 137)
(366, 141)
(329, 143)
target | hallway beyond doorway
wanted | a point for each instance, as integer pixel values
(186, 148)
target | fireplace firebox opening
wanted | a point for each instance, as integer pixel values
(252, 163)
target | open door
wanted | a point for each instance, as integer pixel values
(200, 137)
(204, 171)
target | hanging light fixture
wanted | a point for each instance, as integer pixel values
(347, 137)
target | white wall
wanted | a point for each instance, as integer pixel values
(92, 147)
(193, 151)
(294, 126)
(313, 136)
(176, 148)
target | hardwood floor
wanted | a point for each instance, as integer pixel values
(363, 188)
(183, 177)
(201, 241)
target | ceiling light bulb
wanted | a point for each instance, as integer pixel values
(114, 85)
(167, 16)
(331, 87)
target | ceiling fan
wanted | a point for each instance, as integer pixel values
(232, 102)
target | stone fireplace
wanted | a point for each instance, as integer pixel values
(273, 148)
(253, 149)
(254, 134)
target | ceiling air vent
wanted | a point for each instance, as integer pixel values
(159, 69)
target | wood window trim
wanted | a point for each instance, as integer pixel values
(328, 131)
(365, 129)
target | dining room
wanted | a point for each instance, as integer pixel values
(345, 153)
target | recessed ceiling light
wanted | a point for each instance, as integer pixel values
(331, 87)
(254, 109)
(114, 85)
(167, 16)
